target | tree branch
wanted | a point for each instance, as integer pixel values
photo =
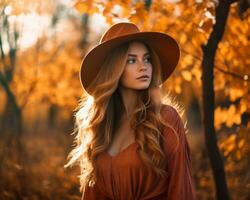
(235, 75)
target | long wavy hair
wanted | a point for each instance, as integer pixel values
(97, 118)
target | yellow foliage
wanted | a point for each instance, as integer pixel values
(229, 116)
(235, 147)
(235, 93)
(187, 75)
(241, 143)
(228, 145)
(188, 60)
(82, 7)
(177, 89)
(238, 155)
(196, 72)
(244, 106)
(87, 6)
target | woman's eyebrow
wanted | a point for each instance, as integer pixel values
(134, 55)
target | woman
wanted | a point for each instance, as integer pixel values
(129, 144)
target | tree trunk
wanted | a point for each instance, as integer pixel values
(209, 51)
(12, 116)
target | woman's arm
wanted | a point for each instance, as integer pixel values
(93, 193)
(181, 185)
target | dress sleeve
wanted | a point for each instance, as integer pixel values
(180, 182)
(93, 193)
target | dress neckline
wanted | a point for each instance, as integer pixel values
(122, 151)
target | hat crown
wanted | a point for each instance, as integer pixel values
(118, 30)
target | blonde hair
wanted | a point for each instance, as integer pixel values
(97, 118)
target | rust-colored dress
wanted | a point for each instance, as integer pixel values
(125, 177)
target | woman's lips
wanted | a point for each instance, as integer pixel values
(143, 77)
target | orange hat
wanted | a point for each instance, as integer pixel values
(164, 45)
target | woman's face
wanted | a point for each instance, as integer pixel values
(138, 64)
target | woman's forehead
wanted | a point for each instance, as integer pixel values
(136, 47)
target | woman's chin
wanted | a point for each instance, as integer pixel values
(137, 87)
(142, 87)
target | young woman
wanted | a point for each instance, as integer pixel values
(129, 144)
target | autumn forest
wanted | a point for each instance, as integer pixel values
(42, 44)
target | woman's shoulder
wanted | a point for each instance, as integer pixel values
(175, 131)
(170, 114)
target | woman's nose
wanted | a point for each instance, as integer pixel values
(142, 65)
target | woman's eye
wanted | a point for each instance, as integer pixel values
(130, 61)
(148, 59)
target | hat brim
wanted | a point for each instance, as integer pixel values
(164, 45)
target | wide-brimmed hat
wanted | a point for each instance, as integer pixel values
(164, 46)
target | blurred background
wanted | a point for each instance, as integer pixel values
(42, 44)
